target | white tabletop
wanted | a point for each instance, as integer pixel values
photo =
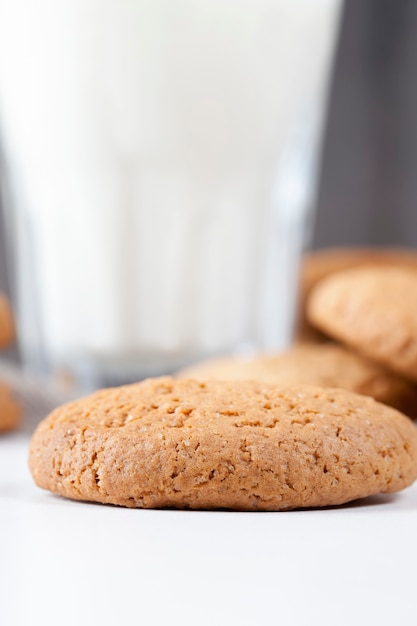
(64, 562)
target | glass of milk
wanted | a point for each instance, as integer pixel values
(158, 165)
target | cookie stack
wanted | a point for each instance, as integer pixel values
(367, 301)
(9, 408)
(323, 263)
(356, 331)
(307, 428)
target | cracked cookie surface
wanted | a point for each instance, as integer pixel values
(216, 444)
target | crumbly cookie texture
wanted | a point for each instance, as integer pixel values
(10, 409)
(324, 365)
(216, 444)
(373, 310)
(318, 264)
(7, 328)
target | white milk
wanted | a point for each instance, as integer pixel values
(161, 157)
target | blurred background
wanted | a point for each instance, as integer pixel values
(367, 186)
(368, 183)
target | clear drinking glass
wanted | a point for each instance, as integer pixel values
(157, 174)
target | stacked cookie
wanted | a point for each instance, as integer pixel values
(9, 407)
(324, 365)
(367, 301)
(320, 264)
(374, 311)
(274, 432)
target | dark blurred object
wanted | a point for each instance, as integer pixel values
(368, 187)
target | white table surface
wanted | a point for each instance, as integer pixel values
(64, 562)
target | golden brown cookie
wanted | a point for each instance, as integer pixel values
(238, 445)
(7, 329)
(10, 409)
(321, 263)
(324, 365)
(374, 310)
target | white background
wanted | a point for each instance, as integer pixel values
(64, 562)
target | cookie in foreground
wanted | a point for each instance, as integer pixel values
(324, 365)
(373, 310)
(216, 444)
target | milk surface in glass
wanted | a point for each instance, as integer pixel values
(159, 161)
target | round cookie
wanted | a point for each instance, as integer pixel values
(237, 445)
(324, 365)
(10, 410)
(7, 329)
(318, 264)
(374, 310)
